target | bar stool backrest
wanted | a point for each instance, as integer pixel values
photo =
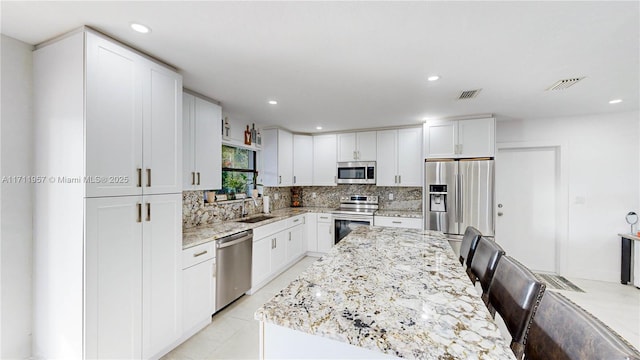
(562, 330)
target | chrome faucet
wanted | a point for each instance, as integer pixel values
(255, 203)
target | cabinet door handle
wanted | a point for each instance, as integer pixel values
(289, 235)
(139, 206)
(193, 178)
(460, 150)
(139, 170)
(148, 177)
(148, 212)
(198, 177)
(399, 179)
(294, 179)
(279, 179)
(200, 253)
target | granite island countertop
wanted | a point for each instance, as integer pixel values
(397, 291)
(205, 233)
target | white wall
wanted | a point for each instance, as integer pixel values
(16, 152)
(602, 168)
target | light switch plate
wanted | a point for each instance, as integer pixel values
(390, 196)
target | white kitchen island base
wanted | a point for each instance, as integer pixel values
(277, 342)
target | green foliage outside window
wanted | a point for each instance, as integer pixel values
(238, 170)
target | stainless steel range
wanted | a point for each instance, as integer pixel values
(354, 211)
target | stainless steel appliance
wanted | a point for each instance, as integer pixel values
(356, 172)
(233, 267)
(459, 194)
(354, 211)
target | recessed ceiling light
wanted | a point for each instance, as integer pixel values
(140, 28)
(273, 102)
(616, 101)
(433, 78)
(318, 127)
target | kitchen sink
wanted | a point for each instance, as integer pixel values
(256, 219)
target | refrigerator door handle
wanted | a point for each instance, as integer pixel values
(460, 202)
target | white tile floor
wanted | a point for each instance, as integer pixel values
(233, 334)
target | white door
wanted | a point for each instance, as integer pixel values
(526, 196)
(113, 125)
(386, 164)
(347, 147)
(302, 160)
(441, 139)
(324, 160)
(161, 272)
(113, 280)
(476, 137)
(188, 142)
(366, 143)
(285, 158)
(162, 113)
(208, 145)
(410, 163)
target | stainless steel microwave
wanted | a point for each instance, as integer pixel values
(356, 172)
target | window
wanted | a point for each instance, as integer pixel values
(238, 170)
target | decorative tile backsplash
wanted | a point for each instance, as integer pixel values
(195, 211)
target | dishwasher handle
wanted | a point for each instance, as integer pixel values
(234, 239)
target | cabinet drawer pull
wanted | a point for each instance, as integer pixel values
(139, 170)
(148, 212)
(148, 177)
(296, 220)
(324, 218)
(396, 222)
(200, 253)
(139, 206)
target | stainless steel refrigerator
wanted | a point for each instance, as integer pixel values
(459, 193)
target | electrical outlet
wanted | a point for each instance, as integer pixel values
(390, 196)
(313, 195)
(276, 196)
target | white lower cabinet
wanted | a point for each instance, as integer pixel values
(276, 246)
(311, 232)
(325, 233)
(133, 279)
(198, 288)
(399, 222)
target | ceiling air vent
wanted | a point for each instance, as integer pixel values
(564, 83)
(468, 94)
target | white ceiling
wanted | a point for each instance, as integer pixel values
(350, 65)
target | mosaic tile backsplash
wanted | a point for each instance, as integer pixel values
(195, 211)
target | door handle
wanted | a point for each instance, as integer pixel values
(148, 212)
(148, 177)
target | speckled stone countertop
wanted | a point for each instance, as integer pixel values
(202, 234)
(399, 213)
(398, 291)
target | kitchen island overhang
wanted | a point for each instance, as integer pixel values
(381, 293)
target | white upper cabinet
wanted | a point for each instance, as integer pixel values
(399, 159)
(359, 146)
(302, 160)
(324, 160)
(277, 152)
(133, 137)
(202, 144)
(460, 138)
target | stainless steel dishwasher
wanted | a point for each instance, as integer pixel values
(233, 267)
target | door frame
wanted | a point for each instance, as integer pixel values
(562, 193)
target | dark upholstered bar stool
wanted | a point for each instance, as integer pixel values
(468, 248)
(483, 266)
(561, 330)
(515, 293)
